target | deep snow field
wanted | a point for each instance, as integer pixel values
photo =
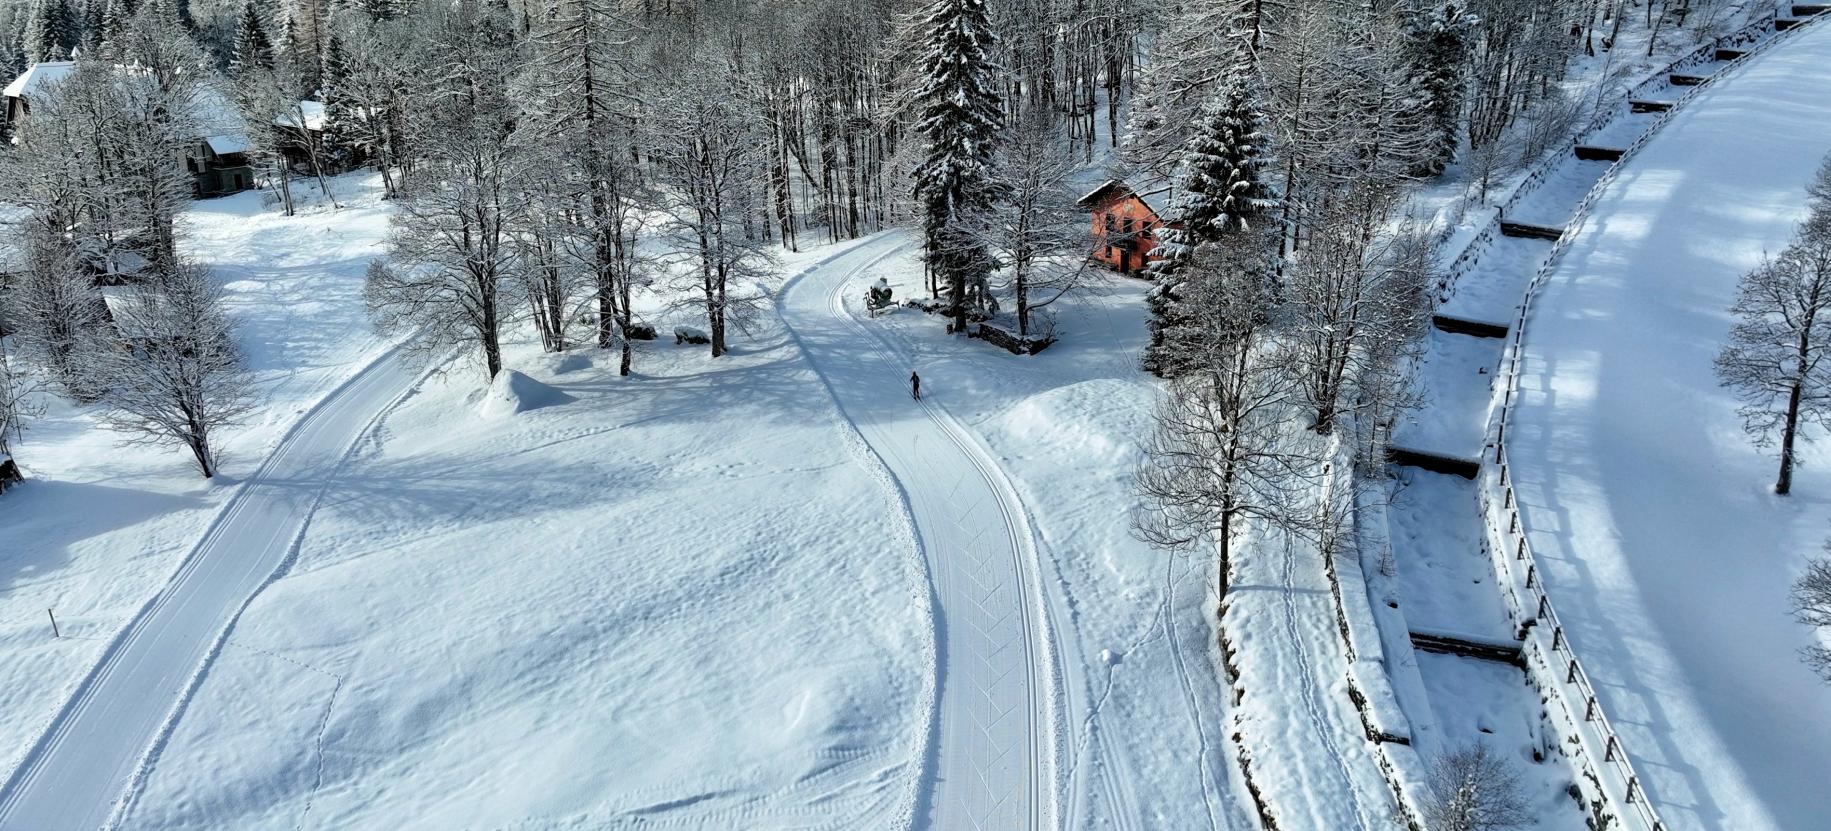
(100, 526)
(1661, 543)
(570, 599)
(673, 597)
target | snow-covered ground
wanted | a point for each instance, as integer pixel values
(678, 599)
(1660, 542)
(1146, 737)
(99, 527)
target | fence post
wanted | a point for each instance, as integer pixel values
(1589, 710)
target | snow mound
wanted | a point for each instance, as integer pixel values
(512, 392)
(1087, 424)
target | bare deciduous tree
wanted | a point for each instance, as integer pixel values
(1475, 789)
(18, 383)
(1778, 359)
(1037, 231)
(176, 374)
(450, 247)
(1812, 607)
(1222, 450)
(707, 158)
(1357, 299)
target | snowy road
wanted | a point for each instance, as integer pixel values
(82, 766)
(991, 761)
(1656, 535)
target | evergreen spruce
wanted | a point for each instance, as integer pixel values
(52, 31)
(1438, 37)
(115, 16)
(960, 122)
(1219, 196)
(253, 50)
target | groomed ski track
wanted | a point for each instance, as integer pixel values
(992, 757)
(81, 768)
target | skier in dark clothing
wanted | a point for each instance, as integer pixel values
(915, 386)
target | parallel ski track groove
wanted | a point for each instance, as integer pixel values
(1043, 807)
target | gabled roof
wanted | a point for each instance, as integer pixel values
(1157, 198)
(313, 112)
(227, 144)
(38, 78)
(1093, 196)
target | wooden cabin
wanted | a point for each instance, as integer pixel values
(220, 165)
(1125, 222)
(218, 161)
(37, 82)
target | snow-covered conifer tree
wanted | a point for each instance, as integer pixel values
(52, 31)
(1438, 36)
(961, 124)
(1218, 193)
(252, 48)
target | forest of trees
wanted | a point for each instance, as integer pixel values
(552, 159)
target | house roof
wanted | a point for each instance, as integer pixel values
(313, 112)
(130, 307)
(38, 78)
(1157, 198)
(215, 113)
(227, 144)
(1095, 194)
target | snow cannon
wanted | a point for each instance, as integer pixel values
(878, 297)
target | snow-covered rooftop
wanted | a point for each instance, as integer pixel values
(313, 112)
(39, 77)
(128, 306)
(1155, 195)
(227, 144)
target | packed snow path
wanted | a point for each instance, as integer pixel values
(82, 766)
(1649, 512)
(991, 764)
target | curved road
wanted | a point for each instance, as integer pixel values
(992, 762)
(81, 769)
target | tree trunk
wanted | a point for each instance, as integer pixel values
(1785, 484)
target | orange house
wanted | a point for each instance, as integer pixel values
(1125, 223)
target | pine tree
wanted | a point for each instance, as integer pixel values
(961, 124)
(52, 31)
(1438, 38)
(1218, 194)
(252, 48)
(114, 29)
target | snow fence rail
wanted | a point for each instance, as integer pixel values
(1547, 649)
(1754, 33)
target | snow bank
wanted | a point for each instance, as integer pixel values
(513, 392)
